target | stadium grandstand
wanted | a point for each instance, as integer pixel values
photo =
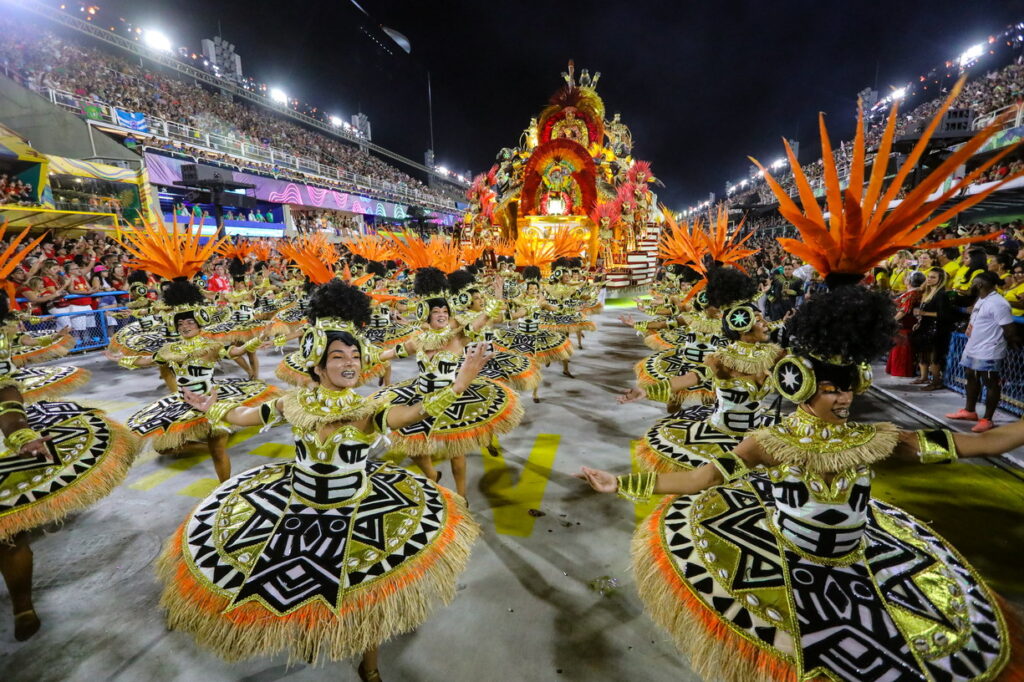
(167, 118)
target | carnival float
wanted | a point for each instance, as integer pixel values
(573, 170)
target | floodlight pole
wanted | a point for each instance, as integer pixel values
(430, 112)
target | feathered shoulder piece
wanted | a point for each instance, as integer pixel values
(370, 247)
(309, 254)
(860, 229)
(171, 255)
(535, 252)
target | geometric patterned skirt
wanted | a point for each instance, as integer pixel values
(543, 345)
(171, 422)
(742, 605)
(28, 355)
(254, 571)
(386, 336)
(664, 339)
(518, 371)
(687, 440)
(666, 364)
(486, 409)
(92, 456)
(566, 322)
(291, 371)
(50, 382)
(132, 340)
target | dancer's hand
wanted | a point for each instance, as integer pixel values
(201, 403)
(475, 359)
(629, 395)
(601, 481)
(626, 319)
(36, 448)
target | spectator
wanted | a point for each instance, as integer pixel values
(784, 291)
(929, 338)
(989, 334)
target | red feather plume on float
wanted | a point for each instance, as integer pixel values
(585, 174)
(640, 173)
(609, 209)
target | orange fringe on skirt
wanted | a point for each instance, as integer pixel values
(390, 606)
(456, 444)
(58, 388)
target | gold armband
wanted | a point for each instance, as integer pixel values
(269, 416)
(494, 309)
(637, 488)
(671, 324)
(660, 392)
(129, 362)
(401, 351)
(8, 406)
(17, 440)
(219, 411)
(253, 344)
(641, 326)
(280, 341)
(225, 352)
(936, 447)
(437, 402)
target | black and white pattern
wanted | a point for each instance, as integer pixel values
(829, 619)
(158, 417)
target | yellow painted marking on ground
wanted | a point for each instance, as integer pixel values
(511, 502)
(281, 450)
(200, 488)
(170, 470)
(641, 511)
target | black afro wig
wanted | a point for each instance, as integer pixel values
(182, 292)
(429, 282)
(727, 286)
(531, 272)
(376, 268)
(460, 279)
(338, 299)
(851, 322)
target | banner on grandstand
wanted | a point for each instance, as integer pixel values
(131, 119)
(164, 170)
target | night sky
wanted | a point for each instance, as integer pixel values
(701, 85)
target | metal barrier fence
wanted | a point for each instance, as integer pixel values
(90, 328)
(1012, 375)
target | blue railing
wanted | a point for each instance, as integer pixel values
(1012, 374)
(91, 329)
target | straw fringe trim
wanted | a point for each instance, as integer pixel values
(457, 444)
(51, 351)
(293, 377)
(655, 342)
(649, 460)
(785, 452)
(391, 606)
(714, 650)
(59, 388)
(90, 488)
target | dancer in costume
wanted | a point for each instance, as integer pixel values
(739, 374)
(241, 324)
(563, 293)
(515, 369)
(796, 572)
(239, 574)
(59, 458)
(485, 410)
(170, 422)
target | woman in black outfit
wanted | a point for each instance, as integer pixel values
(929, 339)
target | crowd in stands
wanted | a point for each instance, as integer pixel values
(15, 191)
(988, 93)
(41, 59)
(332, 222)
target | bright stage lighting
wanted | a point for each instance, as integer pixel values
(972, 53)
(278, 95)
(899, 93)
(442, 170)
(156, 40)
(336, 121)
(778, 163)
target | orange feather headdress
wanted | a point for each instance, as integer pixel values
(860, 230)
(172, 255)
(370, 247)
(237, 250)
(11, 257)
(690, 244)
(504, 247)
(472, 252)
(533, 251)
(308, 254)
(567, 244)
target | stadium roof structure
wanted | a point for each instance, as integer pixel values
(35, 217)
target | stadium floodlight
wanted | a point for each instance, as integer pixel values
(156, 40)
(971, 54)
(778, 163)
(278, 95)
(899, 93)
(442, 170)
(336, 121)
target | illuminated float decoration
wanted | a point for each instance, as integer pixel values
(572, 169)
